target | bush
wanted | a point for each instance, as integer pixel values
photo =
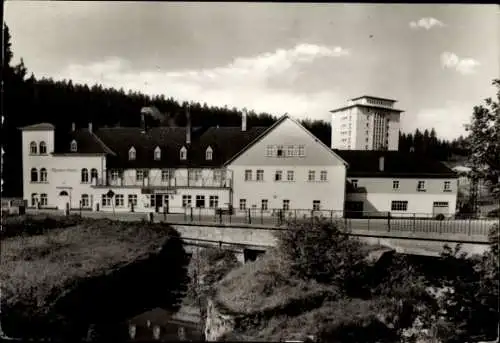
(323, 253)
(494, 213)
(440, 216)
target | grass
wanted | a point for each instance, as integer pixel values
(38, 268)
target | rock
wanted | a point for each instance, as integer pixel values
(217, 324)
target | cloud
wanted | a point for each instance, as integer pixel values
(426, 23)
(448, 121)
(244, 82)
(463, 66)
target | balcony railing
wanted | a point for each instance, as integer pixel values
(170, 183)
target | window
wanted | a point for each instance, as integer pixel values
(260, 175)
(248, 175)
(447, 186)
(84, 202)
(200, 201)
(354, 184)
(93, 174)
(132, 200)
(395, 184)
(73, 146)
(105, 200)
(165, 175)
(194, 174)
(43, 199)
(183, 153)
(119, 200)
(301, 151)
(218, 175)
(139, 175)
(152, 201)
(270, 151)
(43, 148)
(316, 205)
(33, 199)
(289, 175)
(243, 204)
(399, 205)
(442, 204)
(186, 201)
(421, 186)
(157, 153)
(132, 154)
(264, 204)
(311, 175)
(279, 151)
(43, 175)
(290, 151)
(286, 204)
(208, 154)
(323, 175)
(34, 175)
(115, 174)
(278, 176)
(85, 175)
(213, 201)
(33, 148)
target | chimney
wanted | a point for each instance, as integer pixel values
(73, 127)
(381, 163)
(90, 127)
(188, 125)
(244, 120)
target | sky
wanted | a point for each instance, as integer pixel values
(303, 59)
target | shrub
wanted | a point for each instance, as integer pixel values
(321, 252)
(440, 216)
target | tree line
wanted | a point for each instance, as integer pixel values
(29, 100)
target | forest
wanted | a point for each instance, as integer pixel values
(28, 100)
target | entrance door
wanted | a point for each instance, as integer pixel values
(62, 200)
(354, 209)
(158, 202)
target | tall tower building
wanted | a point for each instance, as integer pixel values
(366, 123)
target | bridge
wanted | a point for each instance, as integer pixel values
(405, 235)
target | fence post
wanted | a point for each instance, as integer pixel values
(414, 222)
(199, 214)
(249, 216)
(164, 214)
(469, 230)
(262, 216)
(331, 216)
(368, 223)
(191, 213)
(220, 216)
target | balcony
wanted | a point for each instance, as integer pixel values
(172, 183)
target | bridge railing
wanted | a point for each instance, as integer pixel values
(365, 221)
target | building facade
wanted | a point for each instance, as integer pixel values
(366, 123)
(383, 182)
(169, 169)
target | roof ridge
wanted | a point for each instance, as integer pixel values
(104, 146)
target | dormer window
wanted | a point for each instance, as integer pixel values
(209, 154)
(33, 148)
(157, 153)
(131, 154)
(183, 153)
(73, 146)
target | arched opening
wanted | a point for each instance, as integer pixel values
(62, 200)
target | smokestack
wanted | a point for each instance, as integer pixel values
(73, 127)
(244, 120)
(90, 127)
(381, 163)
(188, 125)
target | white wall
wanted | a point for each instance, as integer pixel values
(300, 192)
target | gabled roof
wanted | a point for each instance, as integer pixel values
(87, 143)
(271, 128)
(364, 163)
(38, 127)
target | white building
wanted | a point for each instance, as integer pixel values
(366, 123)
(403, 184)
(172, 168)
